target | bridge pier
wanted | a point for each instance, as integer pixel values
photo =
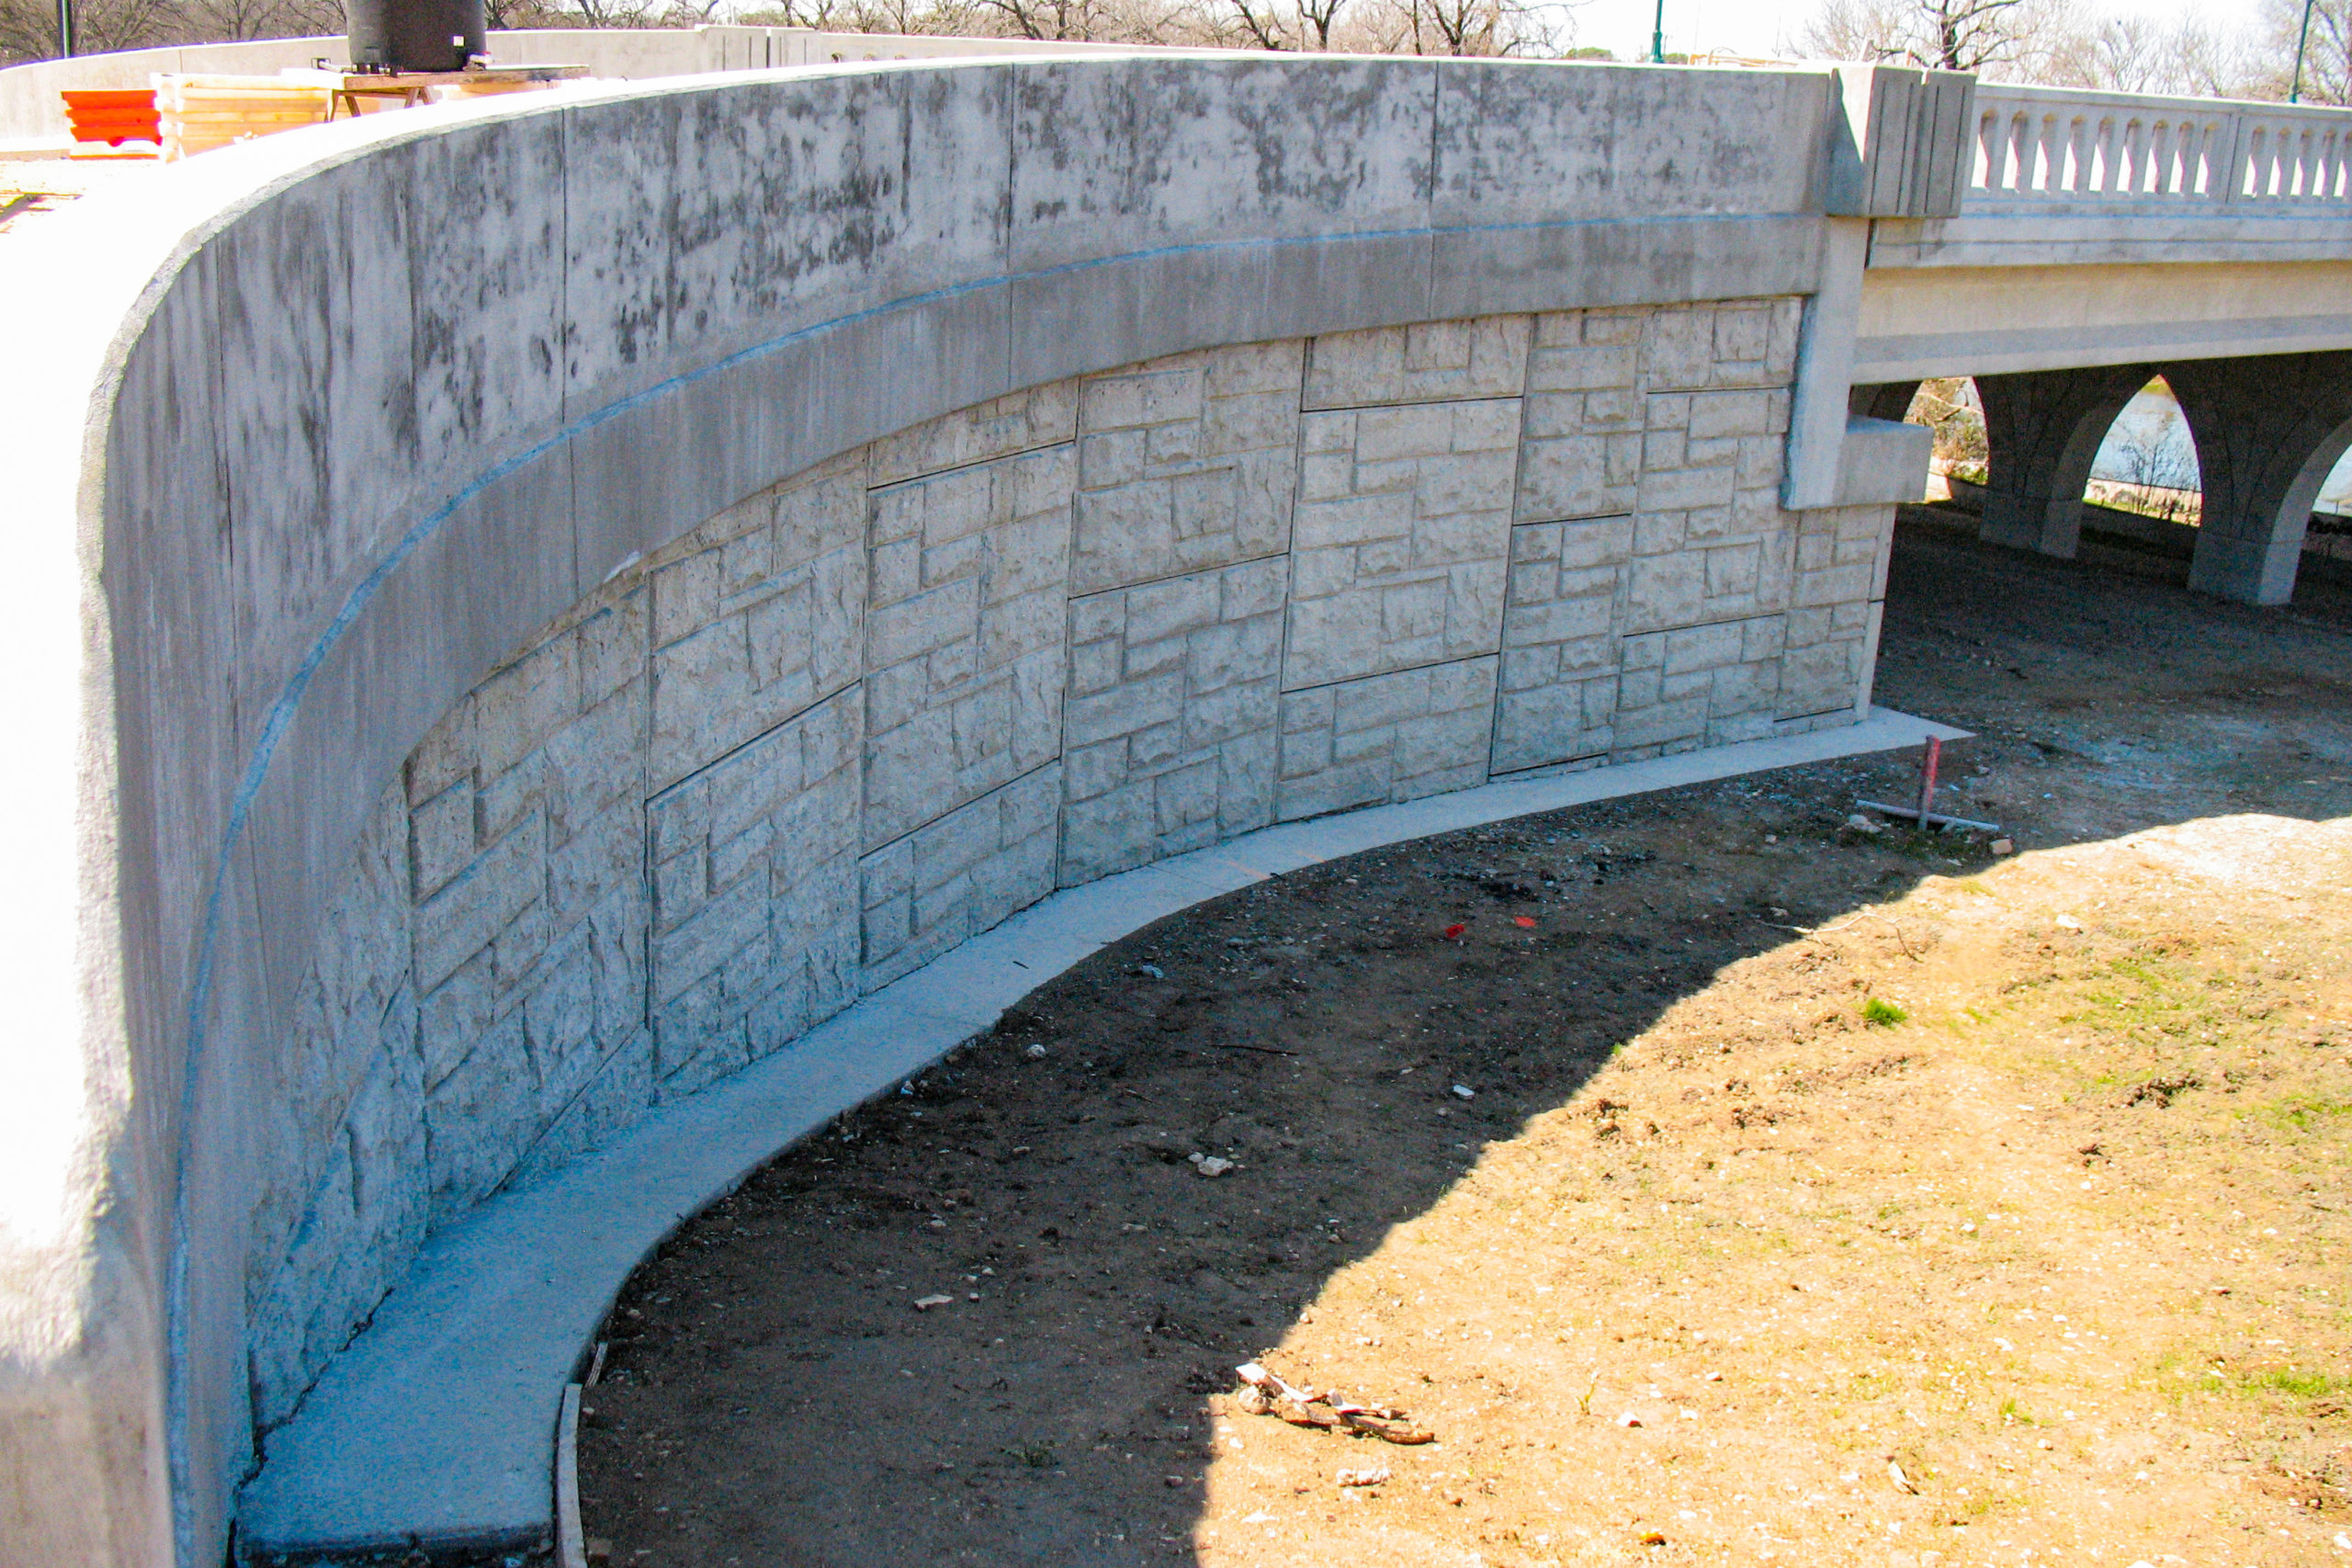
(1889, 401)
(2042, 432)
(2268, 429)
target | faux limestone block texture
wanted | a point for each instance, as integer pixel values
(880, 705)
(958, 875)
(1837, 602)
(1388, 737)
(341, 1132)
(762, 618)
(1401, 537)
(964, 636)
(1562, 642)
(1184, 463)
(1590, 374)
(1426, 363)
(1170, 721)
(754, 920)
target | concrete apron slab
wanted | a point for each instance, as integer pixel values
(435, 1430)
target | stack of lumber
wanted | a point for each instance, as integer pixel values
(200, 113)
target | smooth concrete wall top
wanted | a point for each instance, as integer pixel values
(322, 426)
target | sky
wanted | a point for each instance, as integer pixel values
(1755, 26)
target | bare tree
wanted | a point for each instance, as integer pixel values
(1941, 35)
(2327, 51)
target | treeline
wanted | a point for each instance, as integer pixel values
(2062, 42)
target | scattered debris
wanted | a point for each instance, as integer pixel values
(1367, 1475)
(1151, 971)
(924, 1303)
(1861, 824)
(1652, 1537)
(2070, 924)
(1035, 1053)
(1629, 1419)
(1463, 1091)
(1265, 1393)
(1902, 1482)
(1453, 933)
(2161, 1091)
(1210, 1165)
(1526, 920)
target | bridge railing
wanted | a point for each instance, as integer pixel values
(2042, 147)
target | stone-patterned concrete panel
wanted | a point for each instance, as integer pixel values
(759, 615)
(754, 909)
(1019, 421)
(1705, 686)
(1386, 739)
(343, 1132)
(1584, 416)
(1556, 699)
(965, 635)
(1427, 362)
(1184, 463)
(1402, 532)
(1168, 726)
(958, 877)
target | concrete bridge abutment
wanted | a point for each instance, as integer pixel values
(2269, 430)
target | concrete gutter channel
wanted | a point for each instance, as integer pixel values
(446, 1428)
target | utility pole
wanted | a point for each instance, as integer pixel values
(2294, 92)
(1658, 32)
(65, 29)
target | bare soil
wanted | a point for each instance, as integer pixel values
(1619, 1190)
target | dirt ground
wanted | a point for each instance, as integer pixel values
(1619, 1190)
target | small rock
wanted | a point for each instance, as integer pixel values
(1861, 824)
(1368, 1475)
(2070, 924)
(1151, 971)
(924, 1303)
(1462, 1091)
(1629, 1419)
(1210, 1165)
(1035, 1053)
(1654, 1537)
(2004, 847)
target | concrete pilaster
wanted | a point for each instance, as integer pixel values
(2268, 429)
(2042, 431)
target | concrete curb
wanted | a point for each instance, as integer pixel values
(437, 1429)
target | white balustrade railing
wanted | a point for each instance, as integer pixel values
(2037, 146)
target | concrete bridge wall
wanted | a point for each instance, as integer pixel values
(425, 518)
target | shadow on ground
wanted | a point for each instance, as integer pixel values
(780, 1393)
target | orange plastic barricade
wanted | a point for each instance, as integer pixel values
(113, 115)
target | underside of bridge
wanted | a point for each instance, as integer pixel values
(2267, 428)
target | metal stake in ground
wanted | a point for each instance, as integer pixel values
(1924, 812)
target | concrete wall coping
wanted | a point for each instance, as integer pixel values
(437, 1428)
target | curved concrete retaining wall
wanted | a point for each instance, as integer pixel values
(871, 711)
(336, 428)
